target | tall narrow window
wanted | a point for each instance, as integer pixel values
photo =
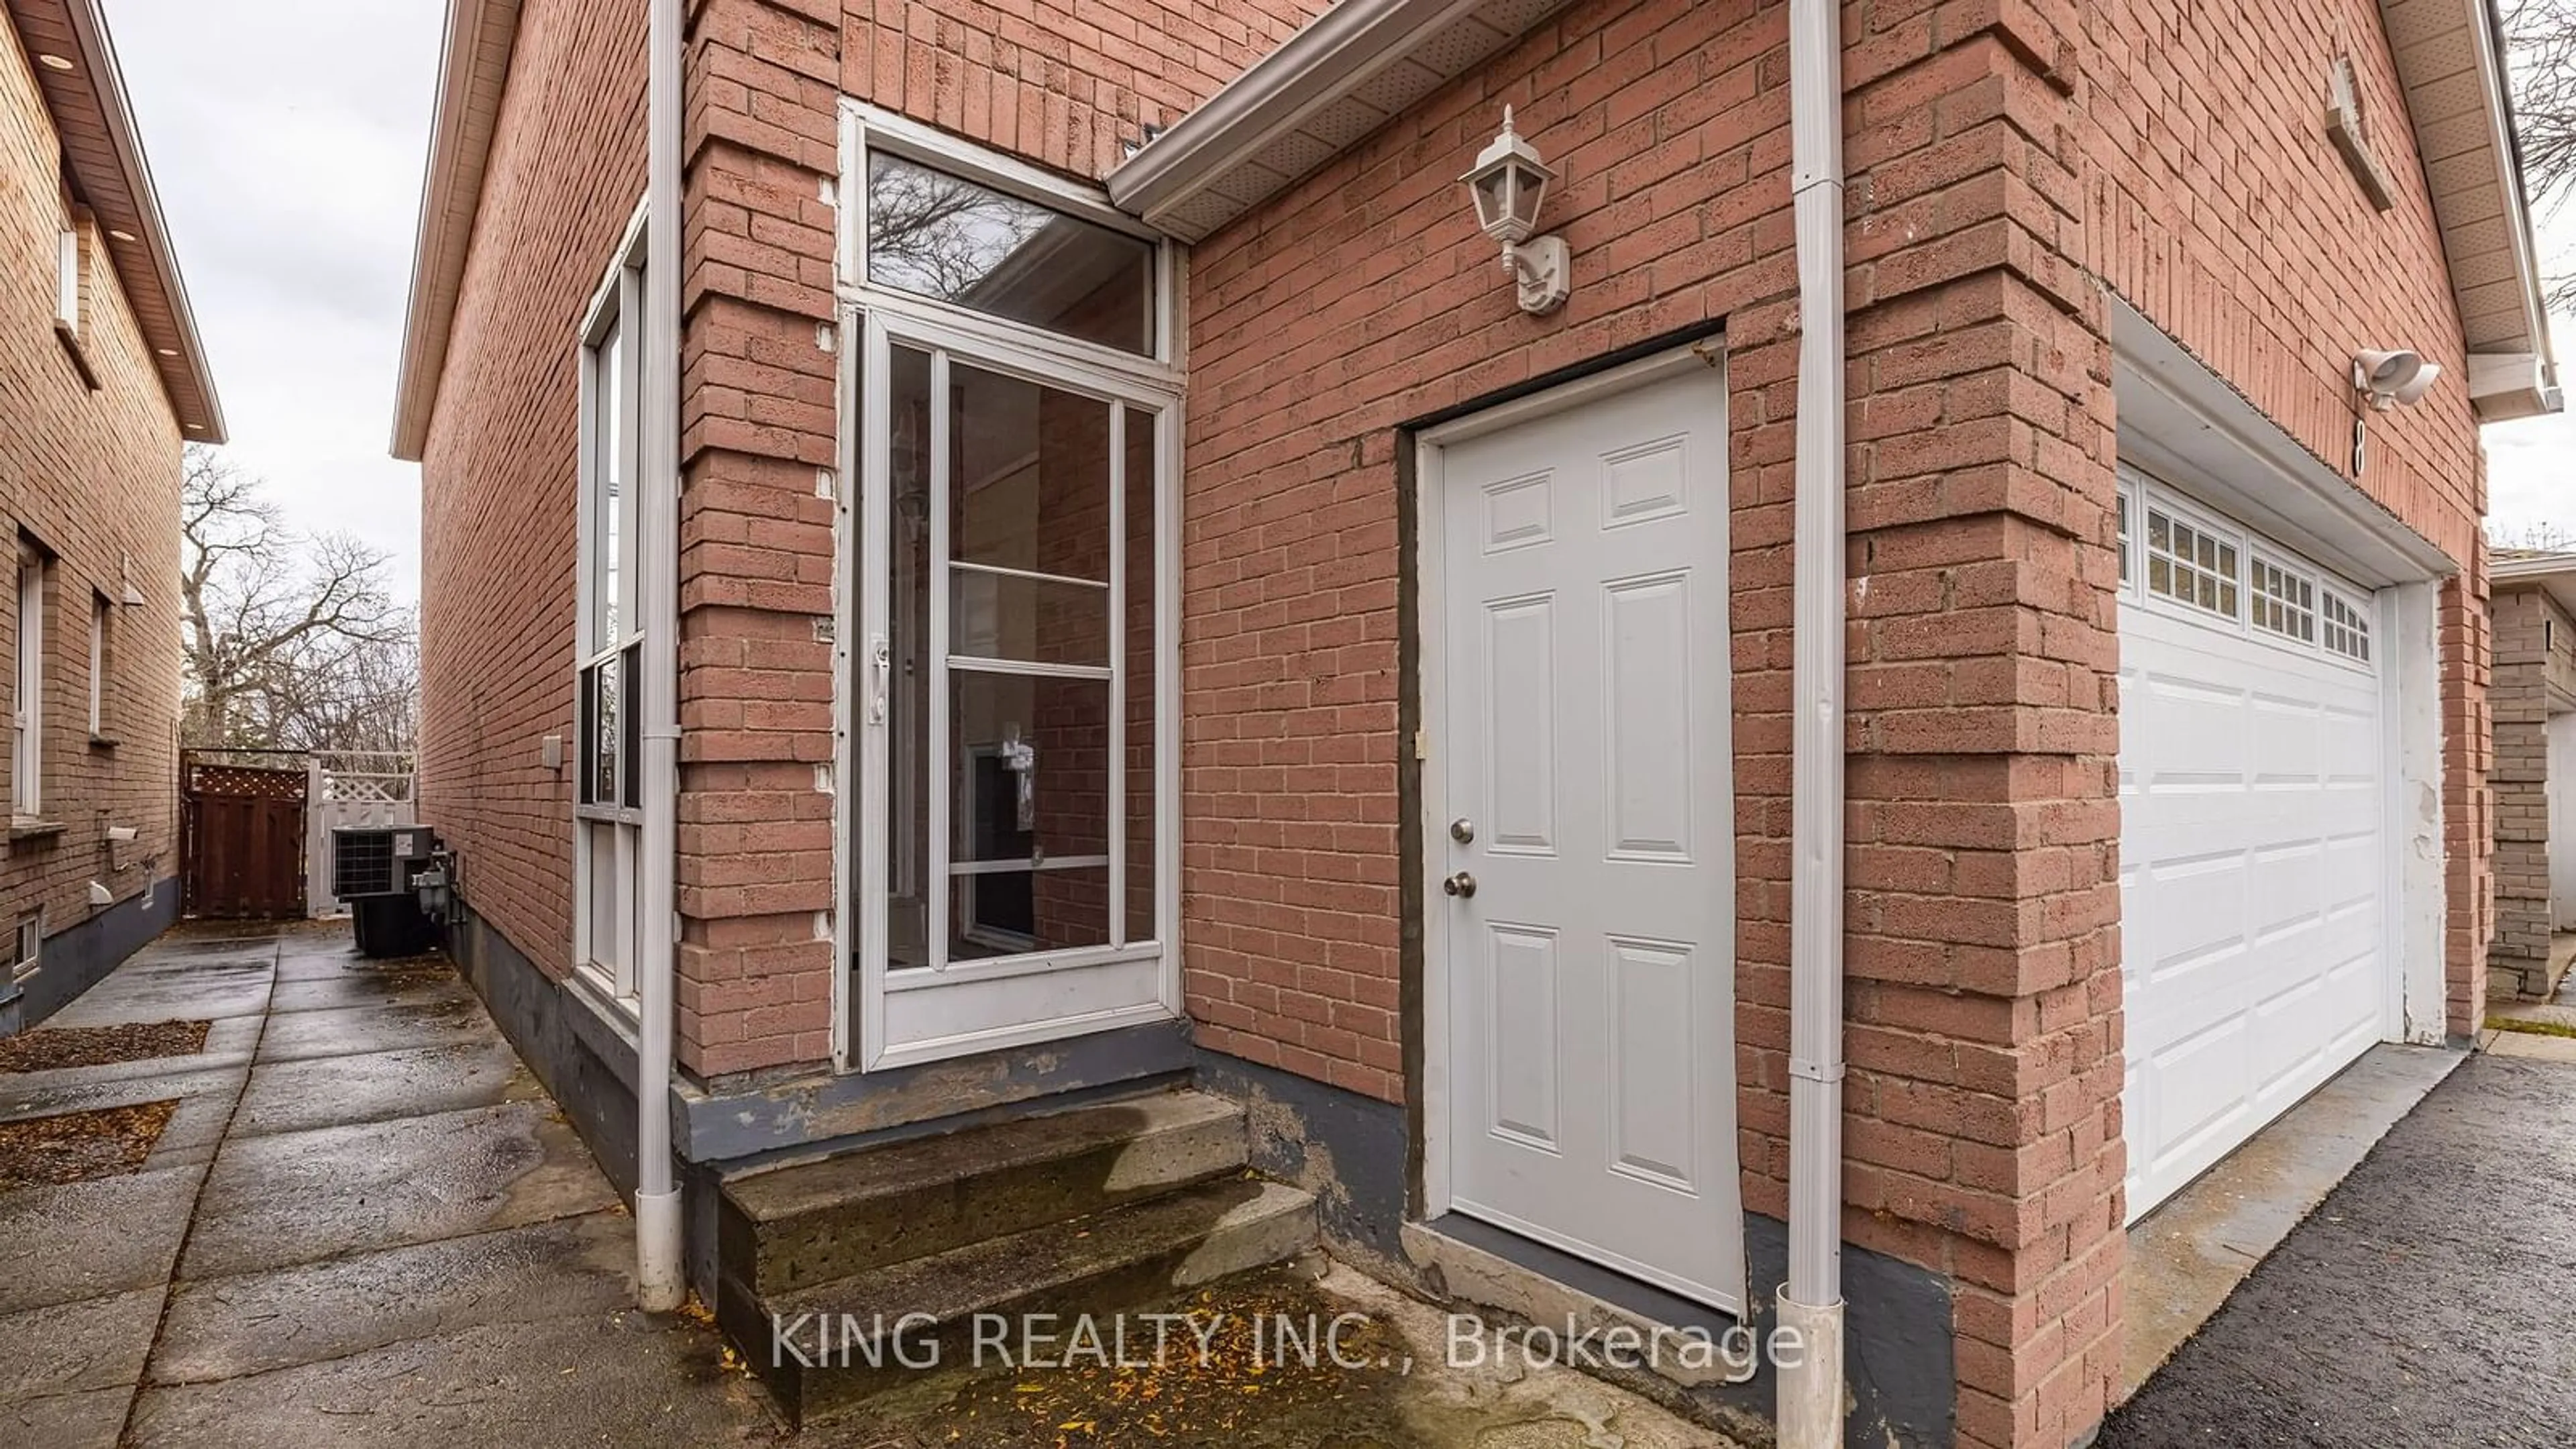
(67, 280)
(608, 793)
(28, 948)
(27, 701)
(99, 618)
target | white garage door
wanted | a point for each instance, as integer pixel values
(2254, 859)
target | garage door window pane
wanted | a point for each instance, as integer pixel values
(2284, 603)
(2189, 566)
(2347, 628)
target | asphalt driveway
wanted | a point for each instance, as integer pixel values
(2430, 1300)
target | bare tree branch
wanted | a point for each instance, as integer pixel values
(2531, 537)
(2540, 38)
(291, 642)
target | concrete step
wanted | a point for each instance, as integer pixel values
(817, 1222)
(827, 1349)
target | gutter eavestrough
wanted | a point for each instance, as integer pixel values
(1811, 1400)
(660, 1282)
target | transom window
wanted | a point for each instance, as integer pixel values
(938, 235)
(2190, 565)
(2285, 603)
(607, 793)
(2347, 628)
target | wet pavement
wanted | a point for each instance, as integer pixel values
(2425, 1302)
(364, 1225)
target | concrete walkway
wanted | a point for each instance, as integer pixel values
(364, 1225)
(2425, 1302)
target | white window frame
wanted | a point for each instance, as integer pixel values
(27, 949)
(27, 696)
(617, 304)
(2154, 501)
(1147, 389)
(67, 278)
(2359, 622)
(2262, 556)
(98, 625)
(2145, 490)
(2132, 573)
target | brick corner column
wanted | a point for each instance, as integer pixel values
(757, 422)
(1983, 1101)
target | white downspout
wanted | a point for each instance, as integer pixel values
(1811, 1411)
(660, 1280)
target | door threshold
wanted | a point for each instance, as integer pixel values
(1475, 1263)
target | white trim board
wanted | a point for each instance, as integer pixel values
(1356, 67)
(2184, 423)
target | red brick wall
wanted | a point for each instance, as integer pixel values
(1982, 1099)
(92, 474)
(500, 530)
(1985, 1036)
(1983, 1119)
(1059, 83)
(2535, 667)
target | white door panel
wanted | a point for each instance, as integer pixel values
(2253, 866)
(1584, 731)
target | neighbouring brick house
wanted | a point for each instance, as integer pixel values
(1129, 588)
(101, 382)
(2534, 776)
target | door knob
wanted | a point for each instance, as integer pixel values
(1462, 830)
(1461, 885)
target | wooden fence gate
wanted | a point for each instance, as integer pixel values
(241, 839)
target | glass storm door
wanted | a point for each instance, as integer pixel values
(1010, 876)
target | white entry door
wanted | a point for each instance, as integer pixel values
(2254, 866)
(1582, 829)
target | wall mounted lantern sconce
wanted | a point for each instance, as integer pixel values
(1510, 183)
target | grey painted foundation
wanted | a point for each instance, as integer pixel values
(1354, 1153)
(79, 957)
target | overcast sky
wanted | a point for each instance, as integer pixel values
(287, 139)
